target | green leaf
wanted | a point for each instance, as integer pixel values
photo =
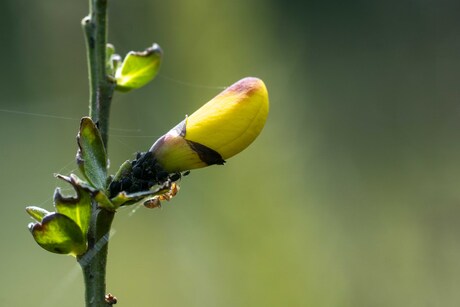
(138, 68)
(91, 155)
(59, 234)
(124, 199)
(104, 201)
(65, 231)
(37, 213)
(76, 208)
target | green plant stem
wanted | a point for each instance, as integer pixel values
(94, 261)
(100, 84)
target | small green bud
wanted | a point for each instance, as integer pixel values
(113, 60)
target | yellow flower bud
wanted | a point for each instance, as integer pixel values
(218, 130)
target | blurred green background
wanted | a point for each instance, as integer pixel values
(350, 196)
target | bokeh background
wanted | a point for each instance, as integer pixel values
(350, 196)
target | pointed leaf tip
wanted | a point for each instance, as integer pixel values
(36, 213)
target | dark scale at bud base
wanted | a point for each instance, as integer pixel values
(145, 173)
